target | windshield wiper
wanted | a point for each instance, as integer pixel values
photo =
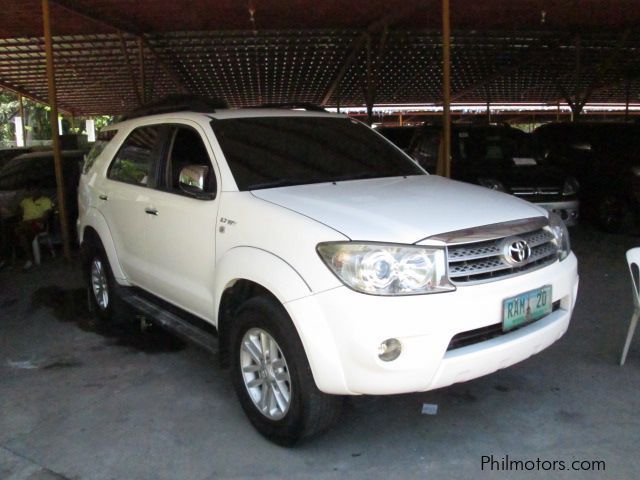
(355, 176)
(281, 182)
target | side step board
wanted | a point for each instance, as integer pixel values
(172, 322)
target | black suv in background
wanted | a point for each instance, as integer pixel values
(495, 156)
(36, 169)
(605, 158)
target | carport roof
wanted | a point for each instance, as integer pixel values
(315, 51)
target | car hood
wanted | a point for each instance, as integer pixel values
(399, 209)
(515, 176)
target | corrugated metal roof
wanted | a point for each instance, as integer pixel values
(297, 50)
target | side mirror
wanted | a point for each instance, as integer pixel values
(193, 179)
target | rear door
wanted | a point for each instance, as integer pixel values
(124, 195)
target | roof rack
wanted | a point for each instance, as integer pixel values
(177, 103)
(293, 106)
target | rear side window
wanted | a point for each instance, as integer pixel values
(102, 141)
(136, 158)
(478, 145)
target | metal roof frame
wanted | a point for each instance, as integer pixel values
(112, 55)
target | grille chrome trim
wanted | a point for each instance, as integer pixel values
(488, 232)
(471, 261)
(524, 191)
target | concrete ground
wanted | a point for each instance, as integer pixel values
(82, 402)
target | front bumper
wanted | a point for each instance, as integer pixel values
(568, 210)
(342, 329)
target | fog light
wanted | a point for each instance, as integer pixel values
(389, 350)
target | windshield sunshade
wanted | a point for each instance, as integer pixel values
(266, 152)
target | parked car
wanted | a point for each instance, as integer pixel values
(7, 154)
(494, 156)
(326, 261)
(605, 158)
(36, 169)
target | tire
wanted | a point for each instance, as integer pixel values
(103, 292)
(277, 391)
(612, 214)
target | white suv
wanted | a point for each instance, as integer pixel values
(326, 262)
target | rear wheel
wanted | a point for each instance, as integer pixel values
(103, 291)
(99, 284)
(272, 377)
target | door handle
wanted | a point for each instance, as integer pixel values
(103, 197)
(151, 211)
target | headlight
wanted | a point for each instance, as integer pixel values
(560, 234)
(571, 186)
(492, 183)
(380, 269)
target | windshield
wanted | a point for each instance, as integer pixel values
(267, 152)
(400, 136)
(497, 145)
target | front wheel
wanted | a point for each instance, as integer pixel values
(272, 377)
(612, 214)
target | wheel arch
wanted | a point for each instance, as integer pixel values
(95, 228)
(247, 272)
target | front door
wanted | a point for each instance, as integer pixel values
(181, 232)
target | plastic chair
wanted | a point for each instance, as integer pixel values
(633, 259)
(45, 237)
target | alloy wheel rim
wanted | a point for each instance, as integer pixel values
(265, 373)
(99, 284)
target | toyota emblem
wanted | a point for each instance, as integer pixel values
(516, 251)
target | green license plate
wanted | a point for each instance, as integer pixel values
(526, 307)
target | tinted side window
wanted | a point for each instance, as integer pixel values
(136, 158)
(187, 148)
(427, 150)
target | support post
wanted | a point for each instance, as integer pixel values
(368, 97)
(488, 106)
(24, 120)
(627, 94)
(576, 106)
(444, 165)
(142, 72)
(51, 81)
(576, 110)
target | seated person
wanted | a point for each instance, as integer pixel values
(36, 209)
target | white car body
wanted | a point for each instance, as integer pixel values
(193, 250)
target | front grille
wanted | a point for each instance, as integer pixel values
(483, 261)
(523, 191)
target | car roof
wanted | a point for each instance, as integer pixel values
(222, 114)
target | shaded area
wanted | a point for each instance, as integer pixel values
(71, 306)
